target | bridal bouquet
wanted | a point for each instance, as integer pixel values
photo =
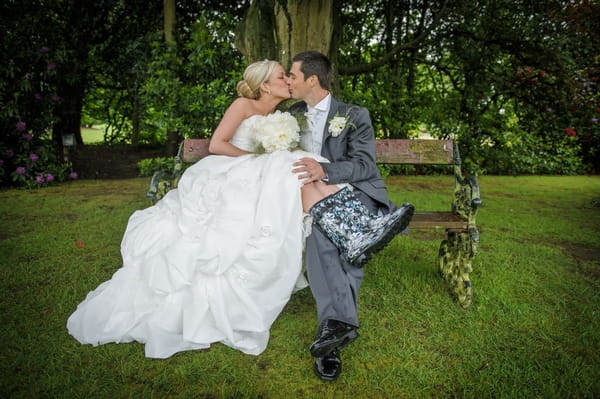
(278, 131)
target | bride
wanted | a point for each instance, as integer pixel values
(216, 259)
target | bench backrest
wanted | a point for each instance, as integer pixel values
(394, 151)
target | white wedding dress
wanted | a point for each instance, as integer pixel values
(216, 260)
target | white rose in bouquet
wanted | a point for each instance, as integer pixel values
(278, 131)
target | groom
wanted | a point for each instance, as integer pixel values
(343, 134)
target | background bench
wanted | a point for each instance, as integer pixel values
(456, 251)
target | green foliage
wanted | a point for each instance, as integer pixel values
(28, 97)
(184, 86)
(149, 166)
(484, 76)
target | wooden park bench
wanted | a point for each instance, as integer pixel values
(456, 251)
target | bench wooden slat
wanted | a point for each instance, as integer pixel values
(404, 151)
(399, 151)
(437, 220)
(194, 149)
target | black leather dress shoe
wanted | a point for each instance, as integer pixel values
(328, 367)
(333, 335)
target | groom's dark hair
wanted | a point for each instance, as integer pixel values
(315, 63)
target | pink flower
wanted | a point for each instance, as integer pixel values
(594, 120)
(38, 96)
(73, 175)
(27, 75)
(39, 179)
(79, 244)
(27, 136)
(20, 170)
(33, 157)
(570, 132)
(44, 49)
(1, 162)
(55, 98)
(9, 153)
(49, 177)
(51, 67)
(21, 126)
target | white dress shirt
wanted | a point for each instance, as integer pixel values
(316, 118)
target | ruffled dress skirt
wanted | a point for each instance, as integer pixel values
(216, 260)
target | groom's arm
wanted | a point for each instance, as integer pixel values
(352, 153)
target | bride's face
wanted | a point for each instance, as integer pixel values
(277, 84)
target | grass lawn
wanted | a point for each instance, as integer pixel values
(533, 330)
(93, 135)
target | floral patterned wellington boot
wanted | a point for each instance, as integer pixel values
(354, 229)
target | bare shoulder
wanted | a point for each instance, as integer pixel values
(244, 107)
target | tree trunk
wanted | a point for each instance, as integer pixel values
(169, 27)
(68, 115)
(136, 118)
(169, 20)
(280, 29)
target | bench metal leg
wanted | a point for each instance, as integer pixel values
(454, 260)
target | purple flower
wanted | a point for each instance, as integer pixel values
(27, 136)
(549, 109)
(73, 175)
(49, 177)
(39, 179)
(27, 75)
(33, 157)
(20, 170)
(21, 126)
(1, 162)
(55, 98)
(51, 67)
(38, 96)
(9, 153)
(44, 49)
(594, 120)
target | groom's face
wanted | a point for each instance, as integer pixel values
(299, 86)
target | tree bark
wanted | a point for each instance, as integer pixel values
(280, 29)
(68, 114)
(136, 118)
(169, 27)
(169, 20)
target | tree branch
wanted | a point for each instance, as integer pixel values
(357, 69)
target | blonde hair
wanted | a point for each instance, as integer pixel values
(255, 74)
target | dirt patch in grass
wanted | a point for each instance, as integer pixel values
(583, 252)
(110, 162)
(588, 258)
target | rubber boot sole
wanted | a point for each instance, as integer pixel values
(360, 259)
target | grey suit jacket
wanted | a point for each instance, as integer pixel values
(352, 152)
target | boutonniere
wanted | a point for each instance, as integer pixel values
(338, 123)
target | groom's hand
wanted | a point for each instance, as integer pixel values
(308, 170)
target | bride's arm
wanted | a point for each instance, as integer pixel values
(233, 117)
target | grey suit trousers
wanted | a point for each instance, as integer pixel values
(334, 282)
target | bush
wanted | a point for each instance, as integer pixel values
(149, 166)
(29, 162)
(28, 96)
